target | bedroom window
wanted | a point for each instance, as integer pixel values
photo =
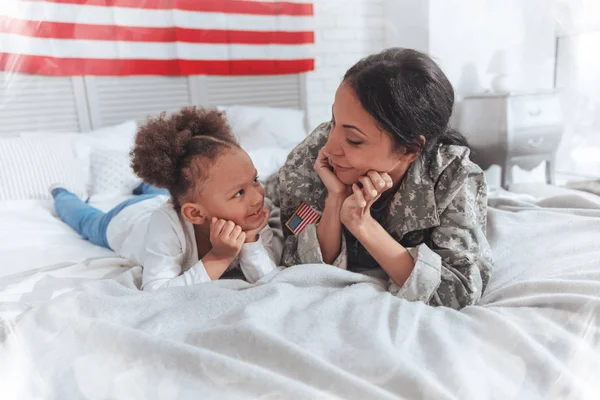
(578, 78)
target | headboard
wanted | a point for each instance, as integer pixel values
(30, 103)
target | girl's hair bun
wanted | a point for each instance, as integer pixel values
(162, 144)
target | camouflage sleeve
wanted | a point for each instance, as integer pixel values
(274, 245)
(298, 183)
(455, 270)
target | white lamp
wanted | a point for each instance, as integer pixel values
(500, 66)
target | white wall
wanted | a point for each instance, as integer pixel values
(406, 24)
(465, 34)
(462, 35)
(346, 31)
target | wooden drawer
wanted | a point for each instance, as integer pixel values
(532, 111)
(534, 141)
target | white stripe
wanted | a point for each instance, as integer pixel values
(277, 1)
(25, 45)
(83, 14)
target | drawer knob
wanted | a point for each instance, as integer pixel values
(535, 113)
(537, 142)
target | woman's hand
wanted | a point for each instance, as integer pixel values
(334, 186)
(226, 238)
(356, 209)
(252, 235)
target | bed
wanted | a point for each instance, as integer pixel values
(75, 325)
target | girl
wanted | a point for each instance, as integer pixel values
(216, 217)
(395, 186)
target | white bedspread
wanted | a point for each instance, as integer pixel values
(42, 257)
(32, 237)
(314, 331)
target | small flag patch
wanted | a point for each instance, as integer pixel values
(303, 216)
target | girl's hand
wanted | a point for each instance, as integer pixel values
(252, 235)
(226, 238)
(334, 186)
(356, 209)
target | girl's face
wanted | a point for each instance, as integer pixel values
(356, 144)
(231, 191)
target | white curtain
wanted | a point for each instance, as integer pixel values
(578, 78)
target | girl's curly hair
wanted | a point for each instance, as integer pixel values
(175, 151)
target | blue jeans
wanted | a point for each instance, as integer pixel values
(144, 188)
(90, 222)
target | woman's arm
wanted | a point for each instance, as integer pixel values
(305, 247)
(394, 258)
(455, 270)
(299, 182)
(329, 229)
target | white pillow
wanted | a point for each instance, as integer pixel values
(30, 164)
(118, 137)
(111, 172)
(255, 136)
(268, 161)
(107, 153)
(279, 127)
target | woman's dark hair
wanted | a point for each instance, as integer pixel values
(175, 151)
(409, 96)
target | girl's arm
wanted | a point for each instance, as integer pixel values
(258, 258)
(261, 254)
(164, 257)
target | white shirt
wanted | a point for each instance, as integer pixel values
(152, 234)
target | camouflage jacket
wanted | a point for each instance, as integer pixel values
(438, 214)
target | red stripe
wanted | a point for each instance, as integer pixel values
(220, 6)
(303, 211)
(40, 65)
(308, 216)
(315, 219)
(307, 212)
(59, 30)
(301, 227)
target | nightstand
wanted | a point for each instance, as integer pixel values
(508, 129)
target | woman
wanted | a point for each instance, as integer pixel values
(393, 184)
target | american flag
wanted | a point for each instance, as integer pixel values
(303, 216)
(156, 37)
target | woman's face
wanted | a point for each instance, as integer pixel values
(356, 144)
